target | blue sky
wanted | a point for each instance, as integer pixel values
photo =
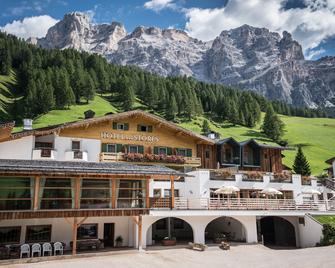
(312, 22)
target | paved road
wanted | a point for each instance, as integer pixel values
(238, 257)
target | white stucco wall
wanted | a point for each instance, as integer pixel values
(17, 149)
(62, 230)
(310, 233)
(64, 144)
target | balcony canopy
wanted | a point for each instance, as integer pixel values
(67, 168)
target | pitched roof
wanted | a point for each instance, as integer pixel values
(87, 168)
(262, 145)
(119, 116)
(330, 160)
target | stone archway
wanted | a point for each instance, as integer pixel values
(172, 227)
(225, 228)
(277, 232)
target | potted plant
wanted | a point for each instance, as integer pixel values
(219, 237)
(169, 241)
(119, 241)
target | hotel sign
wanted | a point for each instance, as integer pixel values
(117, 136)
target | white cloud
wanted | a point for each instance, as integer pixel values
(158, 5)
(30, 27)
(308, 25)
(314, 54)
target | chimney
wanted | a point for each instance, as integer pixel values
(27, 124)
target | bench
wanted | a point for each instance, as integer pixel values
(88, 244)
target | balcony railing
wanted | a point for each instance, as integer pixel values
(182, 203)
(151, 158)
(76, 155)
(44, 153)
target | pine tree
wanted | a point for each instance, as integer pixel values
(272, 126)
(128, 98)
(172, 108)
(5, 60)
(205, 127)
(89, 89)
(301, 165)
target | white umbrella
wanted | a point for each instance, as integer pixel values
(227, 190)
(311, 191)
(271, 191)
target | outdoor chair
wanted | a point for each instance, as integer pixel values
(47, 248)
(25, 249)
(36, 248)
(58, 247)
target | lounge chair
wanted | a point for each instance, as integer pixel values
(36, 248)
(58, 247)
(47, 248)
(24, 249)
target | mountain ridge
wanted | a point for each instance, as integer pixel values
(246, 57)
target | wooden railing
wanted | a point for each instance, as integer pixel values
(160, 202)
(243, 204)
(114, 157)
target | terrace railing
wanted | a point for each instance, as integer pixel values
(182, 203)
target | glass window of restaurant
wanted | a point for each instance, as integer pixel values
(10, 235)
(16, 193)
(38, 233)
(130, 193)
(56, 193)
(87, 231)
(95, 193)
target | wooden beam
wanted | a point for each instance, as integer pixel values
(77, 193)
(113, 193)
(172, 191)
(147, 188)
(36, 192)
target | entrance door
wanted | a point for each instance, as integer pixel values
(109, 234)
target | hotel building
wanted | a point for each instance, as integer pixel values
(138, 176)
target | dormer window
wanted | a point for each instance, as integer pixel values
(120, 126)
(75, 145)
(144, 128)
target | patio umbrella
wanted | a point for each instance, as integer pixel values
(227, 190)
(271, 191)
(311, 191)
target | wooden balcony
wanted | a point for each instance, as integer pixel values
(149, 159)
(76, 155)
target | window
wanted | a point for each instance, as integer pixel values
(87, 231)
(167, 193)
(130, 193)
(120, 126)
(157, 193)
(111, 148)
(133, 149)
(15, 193)
(95, 193)
(144, 128)
(56, 193)
(184, 152)
(10, 235)
(38, 233)
(162, 150)
(41, 145)
(76, 145)
(207, 154)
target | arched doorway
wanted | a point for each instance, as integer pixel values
(277, 231)
(225, 229)
(170, 227)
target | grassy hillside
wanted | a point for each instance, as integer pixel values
(6, 82)
(317, 135)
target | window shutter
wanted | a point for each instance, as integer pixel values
(155, 150)
(168, 150)
(189, 152)
(104, 147)
(140, 149)
(114, 125)
(118, 148)
(138, 127)
(149, 128)
(126, 126)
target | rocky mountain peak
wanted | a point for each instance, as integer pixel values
(246, 57)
